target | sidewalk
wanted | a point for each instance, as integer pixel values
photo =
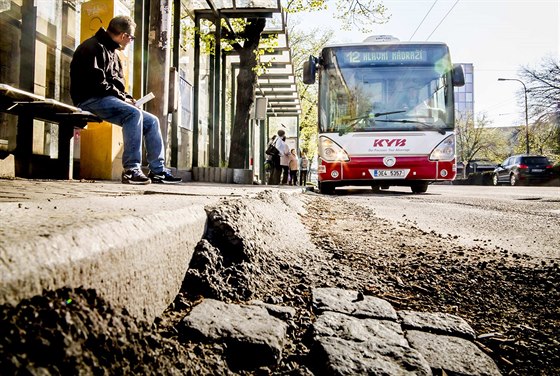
(130, 243)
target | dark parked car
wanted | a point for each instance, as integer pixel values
(524, 169)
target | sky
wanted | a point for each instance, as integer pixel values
(496, 36)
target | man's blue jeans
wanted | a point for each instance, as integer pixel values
(135, 123)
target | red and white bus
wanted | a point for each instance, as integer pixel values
(386, 114)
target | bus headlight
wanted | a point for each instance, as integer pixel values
(330, 151)
(445, 151)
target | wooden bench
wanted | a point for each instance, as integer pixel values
(28, 106)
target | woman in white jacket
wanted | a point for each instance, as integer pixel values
(281, 160)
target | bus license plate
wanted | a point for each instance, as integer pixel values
(389, 174)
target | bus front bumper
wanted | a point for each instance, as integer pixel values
(373, 171)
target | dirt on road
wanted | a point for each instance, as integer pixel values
(513, 305)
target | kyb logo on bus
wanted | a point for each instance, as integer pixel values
(389, 144)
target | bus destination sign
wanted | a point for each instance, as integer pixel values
(386, 56)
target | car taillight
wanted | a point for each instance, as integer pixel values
(549, 166)
(523, 166)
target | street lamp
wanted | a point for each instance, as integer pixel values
(526, 114)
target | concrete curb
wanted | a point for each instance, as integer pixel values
(132, 244)
(133, 261)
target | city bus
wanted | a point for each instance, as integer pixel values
(386, 114)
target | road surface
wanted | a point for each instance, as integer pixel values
(524, 220)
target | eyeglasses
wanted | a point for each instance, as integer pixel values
(131, 37)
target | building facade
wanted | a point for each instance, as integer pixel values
(464, 95)
(39, 37)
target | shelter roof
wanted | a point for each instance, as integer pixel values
(238, 8)
(277, 83)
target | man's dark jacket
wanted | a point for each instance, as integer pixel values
(96, 70)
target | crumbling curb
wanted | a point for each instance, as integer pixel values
(134, 253)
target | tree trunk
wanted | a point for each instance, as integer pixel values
(246, 82)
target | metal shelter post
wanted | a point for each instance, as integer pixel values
(196, 92)
(141, 18)
(211, 104)
(215, 152)
(175, 64)
(263, 142)
(24, 137)
(223, 156)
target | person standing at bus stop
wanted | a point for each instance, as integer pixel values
(280, 172)
(97, 85)
(293, 164)
(284, 159)
(303, 168)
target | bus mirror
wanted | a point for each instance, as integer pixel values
(457, 75)
(309, 70)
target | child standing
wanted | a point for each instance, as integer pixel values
(303, 168)
(293, 167)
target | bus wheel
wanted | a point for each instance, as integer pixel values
(326, 188)
(419, 188)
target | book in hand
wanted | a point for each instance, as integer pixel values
(148, 97)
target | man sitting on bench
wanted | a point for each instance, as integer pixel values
(97, 85)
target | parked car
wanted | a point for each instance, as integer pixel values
(523, 169)
(475, 166)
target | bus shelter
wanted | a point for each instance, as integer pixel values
(194, 89)
(276, 102)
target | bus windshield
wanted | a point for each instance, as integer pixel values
(386, 88)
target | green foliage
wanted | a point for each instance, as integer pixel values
(298, 6)
(361, 15)
(544, 138)
(305, 44)
(496, 147)
(476, 140)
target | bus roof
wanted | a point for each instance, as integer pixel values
(384, 44)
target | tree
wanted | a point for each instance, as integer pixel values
(305, 44)
(359, 13)
(475, 140)
(545, 136)
(543, 87)
(246, 82)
